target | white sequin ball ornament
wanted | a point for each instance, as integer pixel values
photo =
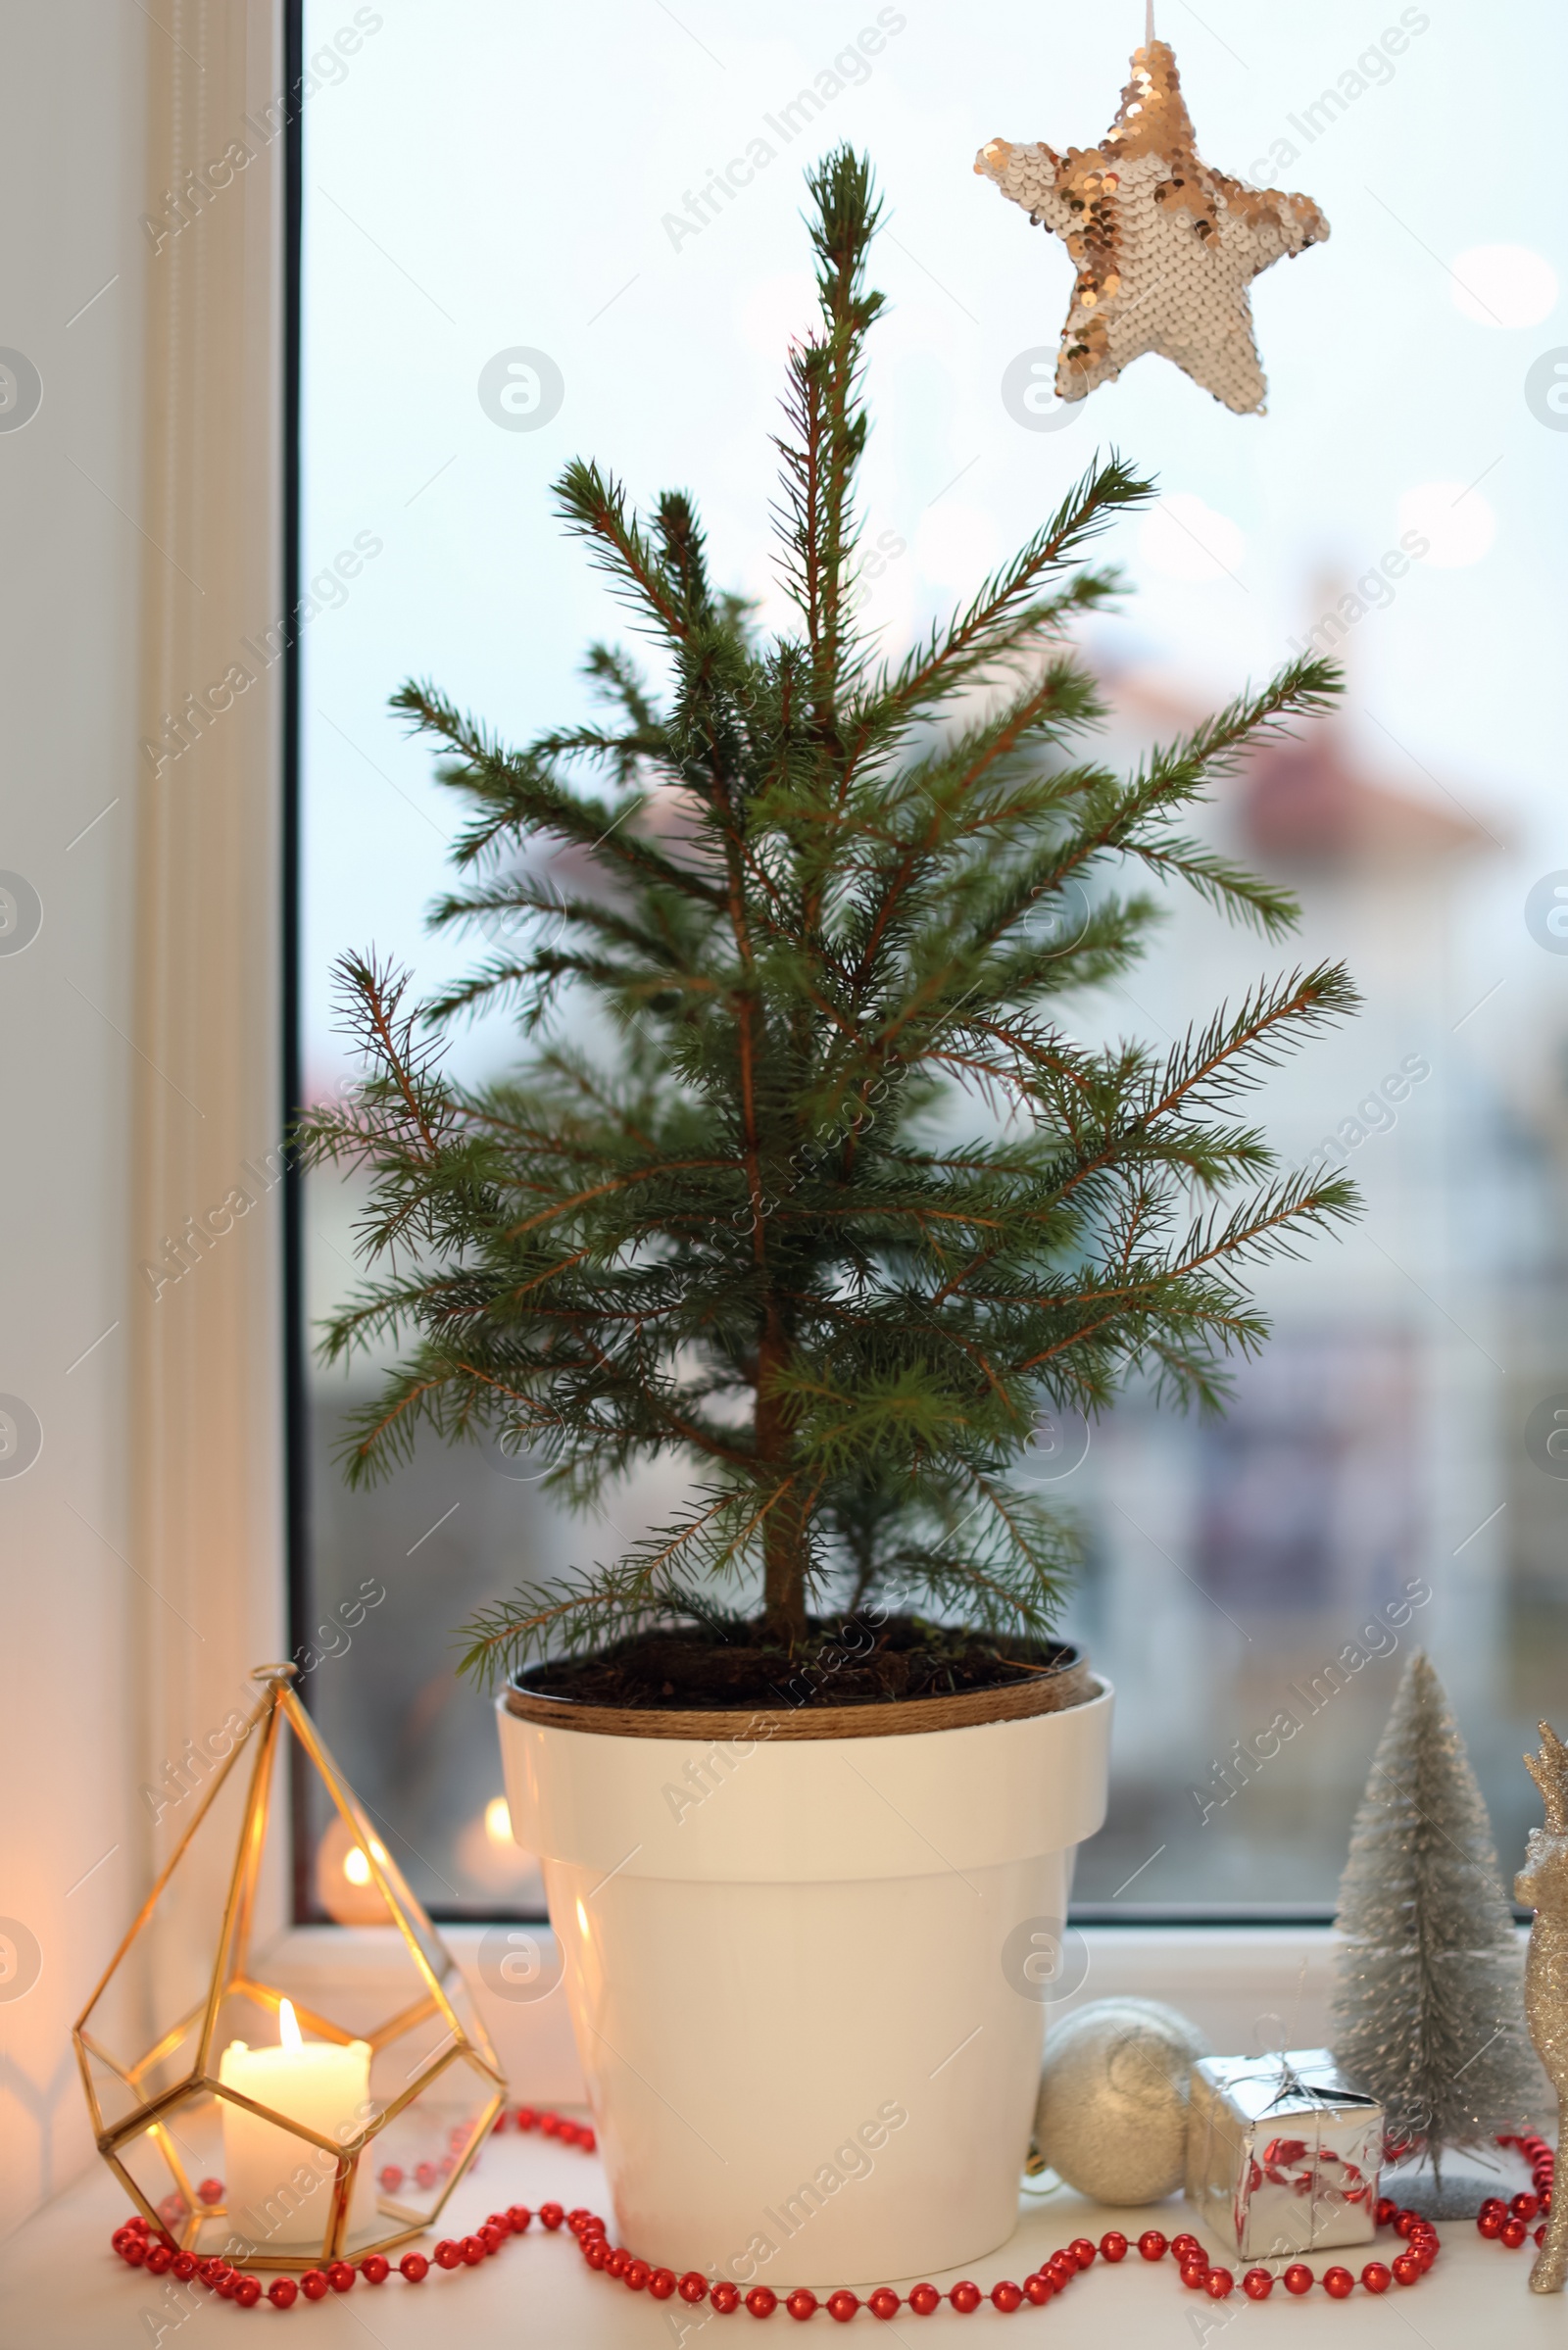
(1112, 2118)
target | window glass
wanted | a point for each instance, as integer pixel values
(533, 233)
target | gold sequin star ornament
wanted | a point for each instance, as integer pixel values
(1165, 247)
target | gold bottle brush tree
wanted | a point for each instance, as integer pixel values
(1541, 1885)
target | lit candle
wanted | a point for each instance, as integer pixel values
(278, 2188)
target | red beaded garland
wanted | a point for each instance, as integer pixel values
(140, 2246)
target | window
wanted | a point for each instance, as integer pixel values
(528, 235)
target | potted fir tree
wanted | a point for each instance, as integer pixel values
(802, 1182)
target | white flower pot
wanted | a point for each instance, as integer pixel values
(812, 2048)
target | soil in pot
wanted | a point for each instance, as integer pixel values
(842, 1661)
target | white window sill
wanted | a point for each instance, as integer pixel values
(1247, 1986)
(63, 2286)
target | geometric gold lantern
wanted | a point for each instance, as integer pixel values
(280, 2137)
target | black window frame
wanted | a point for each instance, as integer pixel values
(296, 1401)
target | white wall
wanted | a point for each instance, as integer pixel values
(70, 179)
(140, 1552)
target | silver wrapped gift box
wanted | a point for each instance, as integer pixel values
(1283, 2153)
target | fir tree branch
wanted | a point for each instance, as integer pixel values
(593, 506)
(1006, 616)
(517, 794)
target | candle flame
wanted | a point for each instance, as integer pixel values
(288, 2027)
(356, 1868)
(498, 1821)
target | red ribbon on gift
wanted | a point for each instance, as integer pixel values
(1288, 2163)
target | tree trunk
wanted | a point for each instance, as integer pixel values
(784, 1548)
(784, 1572)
